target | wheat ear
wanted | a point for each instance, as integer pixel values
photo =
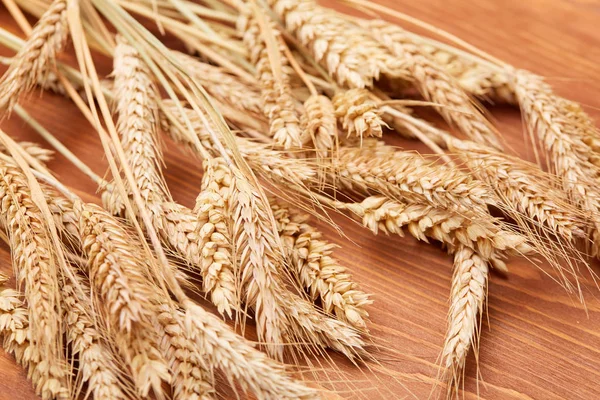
(34, 60)
(568, 155)
(35, 266)
(97, 365)
(277, 99)
(359, 115)
(192, 377)
(122, 291)
(347, 51)
(218, 275)
(435, 85)
(320, 274)
(467, 298)
(379, 168)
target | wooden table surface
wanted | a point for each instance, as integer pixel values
(537, 341)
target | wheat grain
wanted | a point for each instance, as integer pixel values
(358, 115)
(211, 208)
(36, 269)
(467, 298)
(97, 365)
(122, 291)
(321, 275)
(35, 58)
(277, 99)
(435, 85)
(346, 50)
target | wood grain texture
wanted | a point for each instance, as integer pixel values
(538, 342)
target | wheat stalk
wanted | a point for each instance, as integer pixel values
(218, 277)
(347, 51)
(35, 266)
(320, 274)
(97, 365)
(467, 298)
(277, 99)
(359, 115)
(35, 58)
(122, 291)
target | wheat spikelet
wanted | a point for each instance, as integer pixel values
(122, 291)
(358, 115)
(97, 366)
(467, 298)
(192, 379)
(35, 58)
(277, 99)
(408, 176)
(239, 361)
(261, 158)
(211, 207)
(320, 274)
(41, 154)
(221, 85)
(14, 326)
(319, 125)
(36, 269)
(452, 229)
(347, 51)
(489, 84)
(568, 155)
(435, 85)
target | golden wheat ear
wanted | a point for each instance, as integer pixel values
(36, 58)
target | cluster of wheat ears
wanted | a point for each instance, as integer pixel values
(284, 103)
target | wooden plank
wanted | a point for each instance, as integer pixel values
(540, 342)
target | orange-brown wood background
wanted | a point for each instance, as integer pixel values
(537, 342)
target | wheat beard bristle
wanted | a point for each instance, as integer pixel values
(278, 101)
(467, 298)
(35, 59)
(322, 277)
(437, 86)
(36, 269)
(358, 115)
(122, 291)
(218, 276)
(96, 364)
